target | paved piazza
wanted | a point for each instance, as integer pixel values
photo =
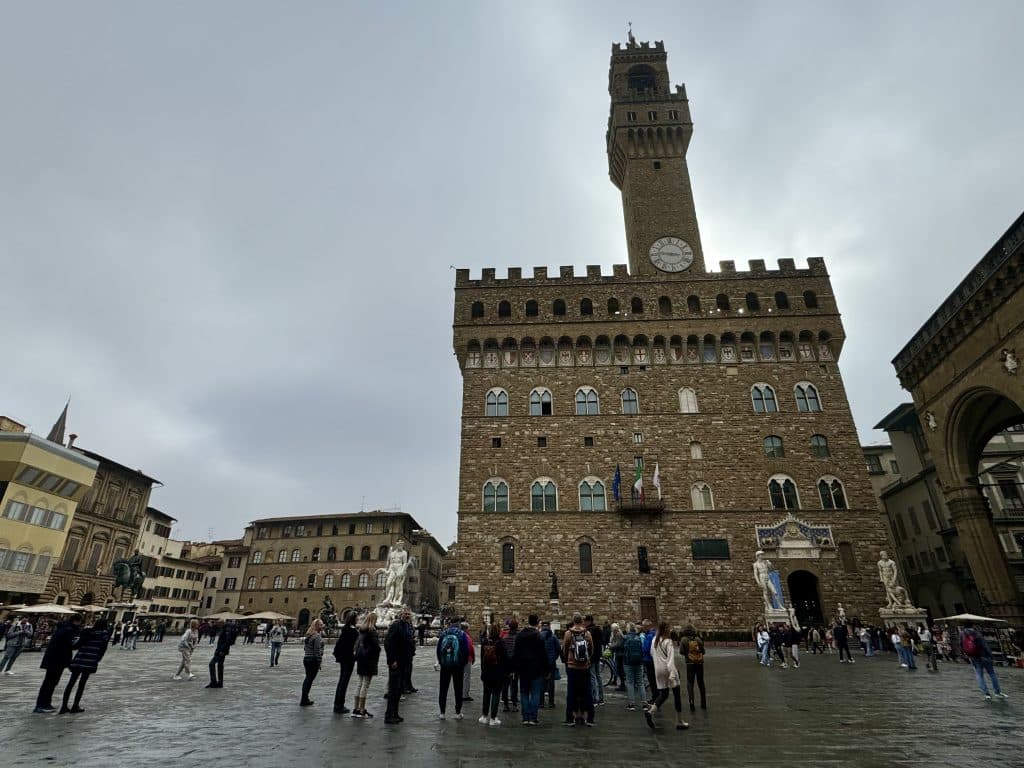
(871, 713)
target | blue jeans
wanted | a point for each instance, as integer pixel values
(635, 683)
(596, 686)
(766, 651)
(275, 653)
(867, 647)
(981, 666)
(907, 657)
(530, 690)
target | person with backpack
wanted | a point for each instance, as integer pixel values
(648, 637)
(977, 651)
(633, 667)
(187, 644)
(692, 649)
(553, 650)
(531, 662)
(452, 655)
(225, 640)
(907, 645)
(367, 656)
(344, 654)
(494, 665)
(663, 651)
(578, 651)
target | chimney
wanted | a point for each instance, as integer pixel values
(71, 439)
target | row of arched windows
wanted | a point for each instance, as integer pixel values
(329, 581)
(588, 403)
(728, 348)
(295, 556)
(751, 302)
(782, 493)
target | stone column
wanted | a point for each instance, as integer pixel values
(973, 520)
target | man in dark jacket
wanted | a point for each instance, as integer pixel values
(56, 659)
(410, 637)
(398, 649)
(596, 686)
(531, 662)
(225, 640)
(553, 649)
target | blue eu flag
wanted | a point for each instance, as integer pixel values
(616, 482)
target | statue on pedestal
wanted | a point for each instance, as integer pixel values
(841, 613)
(895, 595)
(398, 566)
(553, 594)
(763, 577)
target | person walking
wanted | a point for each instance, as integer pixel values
(907, 648)
(56, 659)
(410, 634)
(666, 674)
(791, 639)
(615, 641)
(312, 658)
(692, 649)
(276, 638)
(452, 655)
(648, 632)
(510, 691)
(531, 661)
(928, 644)
(344, 654)
(840, 635)
(467, 674)
(553, 650)
(92, 644)
(187, 644)
(596, 686)
(399, 648)
(494, 663)
(764, 646)
(421, 631)
(633, 667)
(578, 651)
(977, 650)
(225, 639)
(367, 656)
(18, 636)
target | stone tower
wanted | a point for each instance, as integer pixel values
(724, 386)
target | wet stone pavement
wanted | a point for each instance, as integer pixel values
(871, 713)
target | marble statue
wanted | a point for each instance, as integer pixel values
(398, 566)
(895, 595)
(553, 594)
(1010, 361)
(762, 575)
(929, 418)
(842, 613)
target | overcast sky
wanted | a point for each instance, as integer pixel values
(226, 229)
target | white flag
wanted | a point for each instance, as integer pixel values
(656, 481)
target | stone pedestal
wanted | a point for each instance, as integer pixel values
(556, 615)
(777, 616)
(910, 616)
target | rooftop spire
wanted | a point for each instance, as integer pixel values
(629, 33)
(57, 430)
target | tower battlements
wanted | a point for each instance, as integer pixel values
(634, 47)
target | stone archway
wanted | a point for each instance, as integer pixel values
(304, 618)
(805, 597)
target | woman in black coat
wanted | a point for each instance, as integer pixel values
(367, 654)
(92, 644)
(344, 651)
(56, 659)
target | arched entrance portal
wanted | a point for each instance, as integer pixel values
(805, 598)
(304, 618)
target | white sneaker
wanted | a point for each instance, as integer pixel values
(484, 720)
(191, 677)
(441, 716)
(458, 715)
(9, 672)
(1002, 696)
(495, 721)
(988, 697)
(903, 665)
(176, 677)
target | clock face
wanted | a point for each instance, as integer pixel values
(671, 254)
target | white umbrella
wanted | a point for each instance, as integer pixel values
(270, 616)
(225, 616)
(92, 608)
(45, 608)
(964, 618)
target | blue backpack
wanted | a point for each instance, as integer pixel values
(451, 644)
(633, 650)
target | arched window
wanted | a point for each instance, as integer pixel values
(477, 310)
(382, 579)
(364, 553)
(558, 307)
(592, 497)
(278, 581)
(332, 554)
(763, 397)
(311, 581)
(586, 307)
(586, 402)
(665, 305)
(688, 401)
(329, 581)
(531, 308)
(257, 557)
(781, 300)
(819, 447)
(642, 79)
(700, 496)
(346, 580)
(773, 447)
(496, 403)
(315, 557)
(831, 492)
(504, 309)
(382, 553)
(753, 303)
(722, 301)
(586, 558)
(251, 583)
(810, 300)
(270, 556)
(291, 582)
(636, 306)
(693, 305)
(508, 557)
(696, 450)
(782, 492)
(496, 496)
(806, 398)
(296, 555)
(543, 496)
(282, 556)
(630, 404)
(364, 580)
(540, 402)
(348, 553)
(613, 306)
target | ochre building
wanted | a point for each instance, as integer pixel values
(724, 386)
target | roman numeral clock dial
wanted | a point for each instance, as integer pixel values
(671, 254)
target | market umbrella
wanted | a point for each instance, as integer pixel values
(45, 608)
(965, 617)
(270, 616)
(91, 608)
(225, 616)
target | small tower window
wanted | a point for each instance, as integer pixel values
(752, 302)
(641, 79)
(781, 300)
(477, 310)
(586, 307)
(673, 114)
(559, 307)
(613, 306)
(652, 116)
(531, 308)
(631, 117)
(636, 305)
(693, 305)
(504, 309)
(586, 558)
